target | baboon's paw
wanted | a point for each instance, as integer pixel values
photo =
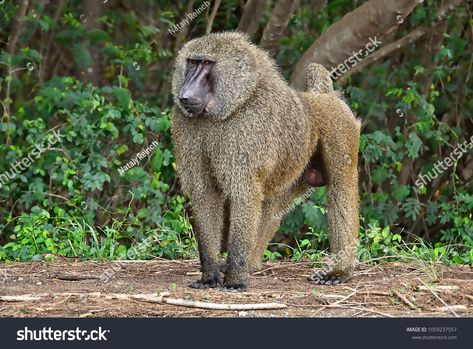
(329, 278)
(235, 287)
(207, 282)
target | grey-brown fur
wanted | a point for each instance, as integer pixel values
(318, 79)
(246, 156)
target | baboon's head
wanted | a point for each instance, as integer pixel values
(214, 75)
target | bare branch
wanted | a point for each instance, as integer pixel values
(212, 16)
(403, 42)
(280, 17)
(252, 13)
(352, 33)
(17, 27)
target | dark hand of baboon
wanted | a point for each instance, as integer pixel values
(247, 145)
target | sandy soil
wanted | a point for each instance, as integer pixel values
(77, 289)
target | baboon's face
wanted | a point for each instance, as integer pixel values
(197, 92)
(214, 75)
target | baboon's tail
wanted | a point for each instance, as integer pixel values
(318, 79)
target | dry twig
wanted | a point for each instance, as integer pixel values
(438, 297)
(404, 299)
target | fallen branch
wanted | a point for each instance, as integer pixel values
(162, 298)
(344, 298)
(438, 297)
(369, 310)
(20, 298)
(150, 298)
(447, 288)
(75, 277)
(404, 299)
(375, 293)
(460, 308)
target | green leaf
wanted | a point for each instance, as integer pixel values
(411, 208)
(98, 35)
(123, 97)
(400, 192)
(157, 161)
(81, 54)
(413, 145)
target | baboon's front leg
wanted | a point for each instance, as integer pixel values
(208, 209)
(245, 213)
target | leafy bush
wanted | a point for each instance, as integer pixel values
(103, 85)
(75, 184)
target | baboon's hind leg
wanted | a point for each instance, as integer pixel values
(273, 213)
(341, 162)
(268, 226)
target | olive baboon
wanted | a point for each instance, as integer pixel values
(244, 142)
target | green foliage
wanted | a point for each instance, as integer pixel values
(103, 85)
(101, 128)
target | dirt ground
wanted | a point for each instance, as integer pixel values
(77, 289)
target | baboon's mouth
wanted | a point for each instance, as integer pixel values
(211, 104)
(194, 109)
(199, 108)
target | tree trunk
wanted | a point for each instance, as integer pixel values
(252, 13)
(16, 30)
(92, 11)
(280, 17)
(413, 36)
(212, 17)
(374, 18)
